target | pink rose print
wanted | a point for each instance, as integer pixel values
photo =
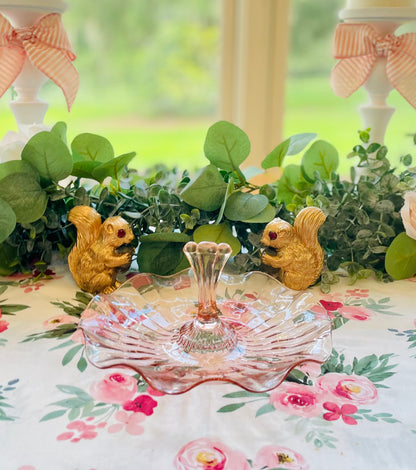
(296, 399)
(114, 388)
(331, 306)
(140, 281)
(207, 454)
(155, 393)
(278, 457)
(53, 322)
(128, 421)
(3, 324)
(141, 404)
(237, 313)
(358, 293)
(321, 312)
(234, 309)
(351, 312)
(355, 312)
(80, 430)
(355, 389)
(335, 412)
(27, 289)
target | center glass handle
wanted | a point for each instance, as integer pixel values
(207, 332)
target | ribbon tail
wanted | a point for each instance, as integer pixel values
(351, 73)
(56, 64)
(401, 72)
(11, 64)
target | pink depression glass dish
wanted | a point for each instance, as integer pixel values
(201, 324)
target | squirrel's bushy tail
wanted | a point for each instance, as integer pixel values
(88, 222)
(307, 224)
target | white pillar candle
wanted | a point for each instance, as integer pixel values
(380, 3)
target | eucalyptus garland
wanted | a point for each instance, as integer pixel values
(167, 208)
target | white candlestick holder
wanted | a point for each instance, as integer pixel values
(28, 110)
(385, 20)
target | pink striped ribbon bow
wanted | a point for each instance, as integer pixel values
(46, 46)
(358, 46)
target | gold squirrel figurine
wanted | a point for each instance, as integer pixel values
(100, 251)
(299, 257)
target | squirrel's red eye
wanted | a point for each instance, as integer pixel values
(121, 233)
(272, 235)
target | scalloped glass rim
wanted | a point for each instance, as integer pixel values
(137, 326)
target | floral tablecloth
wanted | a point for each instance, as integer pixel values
(356, 412)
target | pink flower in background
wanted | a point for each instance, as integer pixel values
(335, 412)
(408, 213)
(296, 399)
(321, 312)
(128, 421)
(234, 309)
(352, 312)
(114, 388)
(140, 280)
(355, 389)
(53, 322)
(141, 404)
(357, 293)
(271, 457)
(207, 454)
(3, 324)
(331, 306)
(80, 430)
(30, 288)
(155, 393)
(333, 297)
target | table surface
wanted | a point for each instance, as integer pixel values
(58, 412)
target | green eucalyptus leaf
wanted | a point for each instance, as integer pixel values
(9, 261)
(243, 206)
(286, 187)
(59, 130)
(206, 191)
(276, 156)
(84, 168)
(321, 157)
(163, 258)
(113, 167)
(49, 155)
(18, 166)
(174, 237)
(265, 216)
(226, 145)
(24, 195)
(217, 233)
(299, 141)
(7, 220)
(92, 147)
(291, 146)
(400, 260)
